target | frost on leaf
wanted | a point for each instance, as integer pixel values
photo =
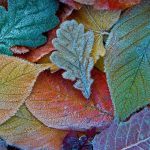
(131, 135)
(24, 23)
(73, 54)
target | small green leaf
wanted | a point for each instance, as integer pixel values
(73, 54)
(127, 63)
(24, 23)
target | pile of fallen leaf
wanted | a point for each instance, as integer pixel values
(74, 75)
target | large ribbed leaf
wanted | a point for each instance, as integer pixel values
(127, 63)
(17, 78)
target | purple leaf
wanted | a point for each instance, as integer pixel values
(131, 135)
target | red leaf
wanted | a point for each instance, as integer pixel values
(57, 104)
(115, 4)
(36, 53)
(71, 3)
(105, 4)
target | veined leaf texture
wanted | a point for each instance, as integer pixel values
(52, 97)
(127, 62)
(24, 23)
(131, 135)
(73, 54)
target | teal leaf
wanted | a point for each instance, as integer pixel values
(127, 63)
(73, 54)
(24, 23)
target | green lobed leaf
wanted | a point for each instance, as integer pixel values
(73, 54)
(127, 63)
(24, 23)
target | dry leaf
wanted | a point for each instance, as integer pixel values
(57, 104)
(17, 78)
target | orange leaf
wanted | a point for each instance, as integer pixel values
(36, 53)
(115, 4)
(106, 4)
(26, 132)
(57, 104)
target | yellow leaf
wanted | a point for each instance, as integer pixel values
(99, 21)
(26, 132)
(17, 78)
(100, 64)
(46, 60)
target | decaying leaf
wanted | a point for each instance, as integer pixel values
(131, 135)
(17, 78)
(26, 132)
(24, 23)
(73, 54)
(57, 104)
(127, 62)
(99, 21)
(109, 4)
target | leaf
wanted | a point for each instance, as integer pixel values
(28, 133)
(73, 54)
(35, 54)
(46, 60)
(24, 23)
(99, 21)
(109, 4)
(64, 12)
(19, 49)
(73, 142)
(131, 135)
(3, 3)
(71, 3)
(57, 104)
(127, 61)
(100, 64)
(3, 145)
(17, 78)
